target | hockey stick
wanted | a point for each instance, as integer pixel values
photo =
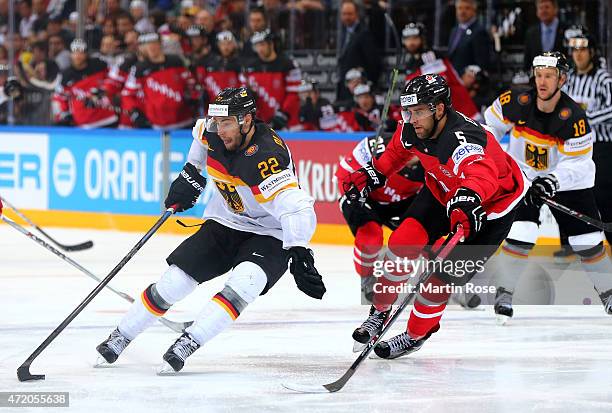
(77, 247)
(337, 385)
(604, 226)
(23, 372)
(174, 325)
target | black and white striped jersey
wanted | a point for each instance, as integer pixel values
(593, 91)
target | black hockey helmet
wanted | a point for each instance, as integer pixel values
(552, 59)
(233, 101)
(579, 37)
(414, 29)
(429, 89)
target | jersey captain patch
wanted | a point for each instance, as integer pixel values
(536, 156)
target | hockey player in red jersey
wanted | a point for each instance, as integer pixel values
(552, 141)
(258, 220)
(160, 91)
(274, 78)
(77, 99)
(316, 112)
(219, 71)
(423, 60)
(469, 181)
(384, 206)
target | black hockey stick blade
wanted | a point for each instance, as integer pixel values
(23, 373)
(78, 247)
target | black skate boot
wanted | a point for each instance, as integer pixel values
(564, 256)
(503, 306)
(606, 300)
(111, 348)
(176, 355)
(401, 345)
(467, 301)
(370, 328)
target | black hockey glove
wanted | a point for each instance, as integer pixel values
(464, 209)
(543, 186)
(280, 120)
(139, 120)
(185, 189)
(307, 278)
(65, 119)
(366, 180)
(356, 212)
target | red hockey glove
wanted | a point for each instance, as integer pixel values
(366, 180)
(464, 209)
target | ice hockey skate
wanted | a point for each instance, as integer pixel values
(370, 328)
(503, 306)
(111, 348)
(401, 345)
(175, 356)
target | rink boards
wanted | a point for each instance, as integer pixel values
(112, 179)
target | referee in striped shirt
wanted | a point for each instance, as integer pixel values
(590, 85)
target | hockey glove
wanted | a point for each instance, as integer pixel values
(280, 120)
(366, 180)
(543, 186)
(464, 209)
(65, 119)
(186, 188)
(139, 120)
(356, 212)
(307, 278)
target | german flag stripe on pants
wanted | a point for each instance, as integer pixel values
(226, 305)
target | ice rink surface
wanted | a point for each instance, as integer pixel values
(556, 359)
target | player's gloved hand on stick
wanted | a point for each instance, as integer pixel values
(365, 179)
(307, 278)
(543, 186)
(464, 209)
(186, 188)
(355, 209)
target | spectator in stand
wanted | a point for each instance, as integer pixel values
(422, 60)
(469, 42)
(124, 23)
(205, 19)
(28, 18)
(140, 13)
(476, 81)
(160, 91)
(258, 22)
(357, 48)
(40, 71)
(55, 26)
(77, 100)
(108, 51)
(58, 52)
(109, 27)
(39, 9)
(316, 112)
(545, 36)
(274, 78)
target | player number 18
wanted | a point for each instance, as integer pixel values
(579, 128)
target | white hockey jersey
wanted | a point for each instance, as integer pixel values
(256, 189)
(558, 143)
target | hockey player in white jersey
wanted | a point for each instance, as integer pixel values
(257, 220)
(552, 142)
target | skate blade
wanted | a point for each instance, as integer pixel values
(358, 347)
(165, 369)
(502, 320)
(101, 363)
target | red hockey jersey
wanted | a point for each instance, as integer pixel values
(162, 91)
(399, 186)
(77, 89)
(276, 85)
(460, 97)
(463, 155)
(214, 73)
